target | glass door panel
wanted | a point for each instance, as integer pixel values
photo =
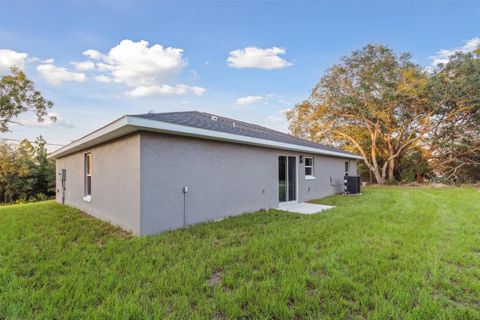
(287, 179)
(292, 179)
(282, 179)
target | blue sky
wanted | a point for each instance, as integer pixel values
(270, 53)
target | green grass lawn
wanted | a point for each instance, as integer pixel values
(393, 253)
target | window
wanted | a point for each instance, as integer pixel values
(346, 168)
(88, 174)
(308, 166)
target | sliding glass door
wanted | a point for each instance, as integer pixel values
(287, 179)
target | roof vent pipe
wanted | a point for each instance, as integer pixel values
(233, 124)
(214, 118)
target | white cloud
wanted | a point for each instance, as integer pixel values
(198, 91)
(160, 90)
(136, 64)
(56, 75)
(84, 65)
(9, 58)
(472, 44)
(103, 67)
(249, 100)
(144, 69)
(103, 78)
(147, 70)
(47, 121)
(443, 56)
(94, 54)
(253, 57)
(37, 59)
(269, 98)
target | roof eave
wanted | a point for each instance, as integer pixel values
(128, 124)
(109, 132)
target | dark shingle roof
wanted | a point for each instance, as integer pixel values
(204, 120)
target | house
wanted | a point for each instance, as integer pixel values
(158, 171)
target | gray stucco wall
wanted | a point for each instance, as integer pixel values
(223, 179)
(324, 168)
(137, 180)
(115, 182)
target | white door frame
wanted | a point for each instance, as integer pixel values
(286, 180)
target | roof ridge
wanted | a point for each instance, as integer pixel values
(211, 114)
(266, 128)
(157, 113)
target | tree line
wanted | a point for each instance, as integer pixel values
(407, 122)
(25, 172)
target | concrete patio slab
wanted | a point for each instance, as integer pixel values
(304, 208)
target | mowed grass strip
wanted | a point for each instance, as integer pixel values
(393, 252)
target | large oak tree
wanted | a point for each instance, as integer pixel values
(374, 101)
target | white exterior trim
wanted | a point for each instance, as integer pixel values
(310, 166)
(128, 124)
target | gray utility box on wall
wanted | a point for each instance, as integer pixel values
(353, 185)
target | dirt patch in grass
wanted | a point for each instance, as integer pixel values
(214, 279)
(310, 290)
